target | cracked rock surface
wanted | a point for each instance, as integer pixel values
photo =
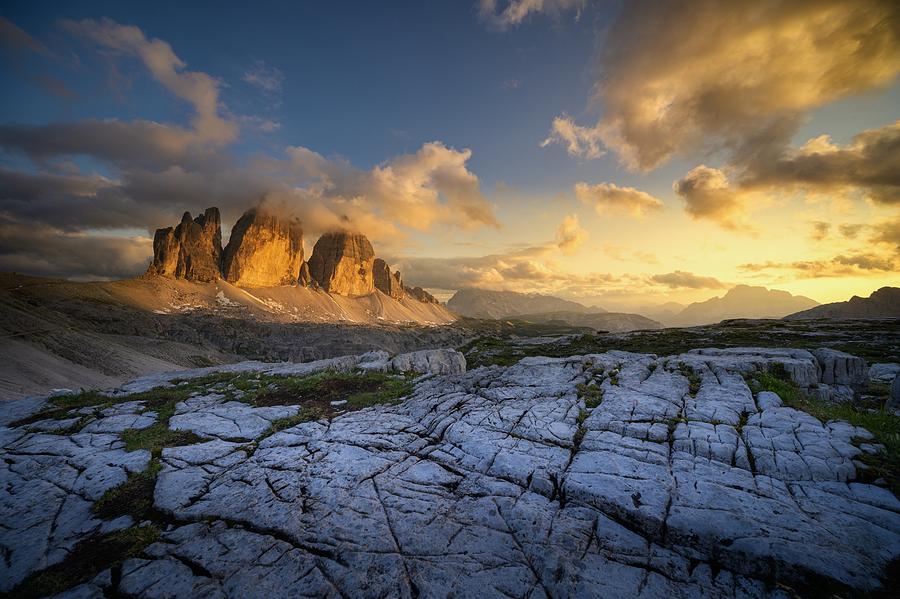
(497, 482)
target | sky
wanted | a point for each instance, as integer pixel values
(622, 154)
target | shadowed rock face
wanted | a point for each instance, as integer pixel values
(264, 251)
(421, 295)
(192, 250)
(342, 263)
(305, 279)
(387, 282)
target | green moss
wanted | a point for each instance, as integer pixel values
(580, 431)
(87, 559)
(155, 438)
(592, 395)
(132, 498)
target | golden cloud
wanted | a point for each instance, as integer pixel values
(608, 197)
(570, 236)
(698, 74)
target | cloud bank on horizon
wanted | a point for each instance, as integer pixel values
(724, 90)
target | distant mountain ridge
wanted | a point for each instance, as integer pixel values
(742, 301)
(883, 303)
(613, 322)
(484, 303)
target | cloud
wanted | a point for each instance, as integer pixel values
(708, 194)
(265, 77)
(870, 163)
(153, 172)
(888, 232)
(570, 236)
(608, 197)
(17, 40)
(687, 280)
(144, 143)
(850, 230)
(854, 264)
(42, 250)
(200, 89)
(527, 270)
(866, 167)
(584, 142)
(516, 11)
(699, 75)
(431, 187)
(820, 230)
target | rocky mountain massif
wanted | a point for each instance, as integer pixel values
(533, 307)
(741, 301)
(883, 303)
(614, 474)
(484, 303)
(266, 250)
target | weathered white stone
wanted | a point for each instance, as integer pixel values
(840, 368)
(884, 372)
(495, 482)
(767, 400)
(430, 361)
(49, 483)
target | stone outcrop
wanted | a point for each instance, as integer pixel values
(495, 482)
(265, 250)
(192, 250)
(342, 263)
(840, 368)
(387, 282)
(421, 295)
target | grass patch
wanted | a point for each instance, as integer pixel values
(132, 498)
(580, 431)
(872, 417)
(201, 361)
(156, 437)
(592, 395)
(694, 379)
(87, 559)
(874, 340)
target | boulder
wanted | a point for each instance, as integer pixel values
(883, 373)
(342, 262)
(839, 368)
(430, 361)
(265, 250)
(192, 250)
(385, 281)
(893, 402)
(421, 295)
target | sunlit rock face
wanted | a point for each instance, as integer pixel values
(342, 263)
(264, 251)
(192, 250)
(387, 282)
(421, 295)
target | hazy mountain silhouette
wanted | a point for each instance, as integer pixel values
(483, 303)
(742, 301)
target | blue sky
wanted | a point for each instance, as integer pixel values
(363, 84)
